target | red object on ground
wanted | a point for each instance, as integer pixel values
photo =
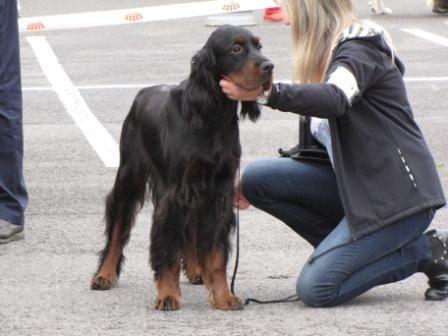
(274, 14)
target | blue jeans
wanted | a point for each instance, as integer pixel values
(13, 194)
(304, 195)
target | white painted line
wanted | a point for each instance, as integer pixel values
(98, 137)
(139, 86)
(37, 88)
(428, 36)
(120, 86)
(94, 87)
(133, 15)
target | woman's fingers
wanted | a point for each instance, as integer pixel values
(237, 93)
(228, 88)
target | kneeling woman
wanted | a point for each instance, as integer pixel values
(366, 211)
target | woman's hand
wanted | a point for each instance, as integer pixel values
(238, 93)
(240, 201)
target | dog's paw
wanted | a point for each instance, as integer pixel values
(230, 302)
(233, 303)
(102, 282)
(167, 304)
(195, 279)
(192, 270)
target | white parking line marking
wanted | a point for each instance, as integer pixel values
(132, 15)
(98, 137)
(427, 36)
(37, 88)
(139, 86)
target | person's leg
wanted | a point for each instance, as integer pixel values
(303, 195)
(341, 269)
(13, 195)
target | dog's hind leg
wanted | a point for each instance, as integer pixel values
(122, 203)
(191, 265)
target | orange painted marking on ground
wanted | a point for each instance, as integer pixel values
(134, 17)
(231, 6)
(35, 26)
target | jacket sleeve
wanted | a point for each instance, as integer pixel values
(317, 100)
(330, 99)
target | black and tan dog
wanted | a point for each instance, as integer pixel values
(182, 144)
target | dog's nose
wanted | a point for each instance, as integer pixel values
(267, 67)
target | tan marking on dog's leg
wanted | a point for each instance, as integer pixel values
(192, 268)
(106, 277)
(168, 288)
(215, 279)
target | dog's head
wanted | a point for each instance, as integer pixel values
(233, 52)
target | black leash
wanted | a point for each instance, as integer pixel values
(237, 257)
(292, 298)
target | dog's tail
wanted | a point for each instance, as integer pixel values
(132, 176)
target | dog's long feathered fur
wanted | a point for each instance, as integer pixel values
(181, 143)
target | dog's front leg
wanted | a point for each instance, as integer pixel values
(215, 280)
(167, 282)
(165, 252)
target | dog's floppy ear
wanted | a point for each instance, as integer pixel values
(202, 91)
(250, 109)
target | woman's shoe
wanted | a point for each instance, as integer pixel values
(437, 272)
(10, 232)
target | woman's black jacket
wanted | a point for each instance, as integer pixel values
(383, 165)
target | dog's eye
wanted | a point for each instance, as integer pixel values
(236, 49)
(259, 46)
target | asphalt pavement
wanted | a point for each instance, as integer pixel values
(44, 280)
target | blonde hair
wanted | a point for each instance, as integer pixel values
(316, 26)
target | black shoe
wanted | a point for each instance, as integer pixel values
(440, 6)
(10, 232)
(437, 272)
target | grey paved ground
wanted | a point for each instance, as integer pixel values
(44, 280)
